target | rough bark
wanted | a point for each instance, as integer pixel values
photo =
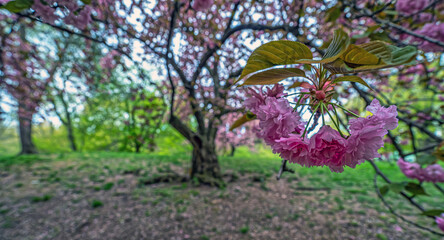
(204, 162)
(25, 130)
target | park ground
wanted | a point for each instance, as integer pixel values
(103, 195)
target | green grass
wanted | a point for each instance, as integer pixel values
(96, 203)
(262, 166)
(43, 198)
(244, 229)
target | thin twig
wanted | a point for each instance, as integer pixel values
(398, 215)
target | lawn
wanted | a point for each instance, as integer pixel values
(102, 195)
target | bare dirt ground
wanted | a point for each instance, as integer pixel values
(70, 205)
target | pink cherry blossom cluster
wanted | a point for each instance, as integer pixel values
(77, 15)
(432, 173)
(281, 128)
(408, 7)
(200, 5)
(276, 116)
(109, 60)
(227, 139)
(435, 31)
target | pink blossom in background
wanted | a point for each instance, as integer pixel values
(200, 5)
(440, 222)
(435, 31)
(408, 7)
(327, 148)
(424, 17)
(46, 12)
(108, 61)
(4, 1)
(410, 170)
(80, 20)
(432, 173)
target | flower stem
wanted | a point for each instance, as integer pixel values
(308, 123)
(291, 94)
(335, 123)
(322, 112)
(343, 108)
(337, 117)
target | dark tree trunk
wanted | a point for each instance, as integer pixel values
(68, 124)
(138, 147)
(25, 129)
(71, 138)
(233, 149)
(204, 162)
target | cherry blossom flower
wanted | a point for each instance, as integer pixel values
(432, 173)
(385, 117)
(328, 148)
(364, 144)
(410, 170)
(435, 31)
(440, 222)
(200, 5)
(277, 119)
(293, 149)
(408, 7)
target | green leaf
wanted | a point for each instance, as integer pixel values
(18, 5)
(297, 84)
(272, 76)
(87, 2)
(387, 55)
(397, 187)
(384, 189)
(379, 49)
(403, 55)
(351, 79)
(433, 212)
(244, 119)
(337, 47)
(275, 53)
(359, 56)
(415, 189)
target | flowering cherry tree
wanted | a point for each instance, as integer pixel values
(204, 44)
